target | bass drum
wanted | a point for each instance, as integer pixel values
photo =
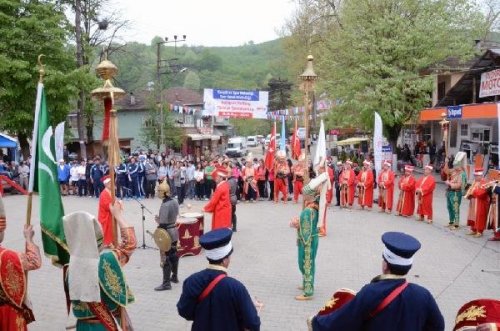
(189, 237)
(199, 217)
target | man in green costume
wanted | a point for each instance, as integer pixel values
(307, 234)
(457, 179)
(95, 280)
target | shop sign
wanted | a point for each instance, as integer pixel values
(490, 84)
(454, 112)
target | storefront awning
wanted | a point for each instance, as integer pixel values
(198, 136)
(351, 141)
(470, 111)
(7, 142)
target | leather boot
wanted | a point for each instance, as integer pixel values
(166, 279)
(175, 267)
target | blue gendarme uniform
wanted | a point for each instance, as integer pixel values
(227, 308)
(413, 310)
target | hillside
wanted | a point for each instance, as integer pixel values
(244, 67)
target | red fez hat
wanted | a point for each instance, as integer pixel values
(478, 171)
(484, 314)
(339, 298)
(106, 179)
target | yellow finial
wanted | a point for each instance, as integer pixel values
(42, 68)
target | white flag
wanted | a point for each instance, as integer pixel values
(321, 146)
(59, 141)
(378, 142)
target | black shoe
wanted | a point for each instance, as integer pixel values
(174, 279)
(163, 287)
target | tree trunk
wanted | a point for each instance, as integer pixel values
(392, 135)
(25, 146)
(79, 63)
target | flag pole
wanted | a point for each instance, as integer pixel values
(29, 206)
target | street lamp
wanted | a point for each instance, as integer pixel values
(308, 78)
(159, 66)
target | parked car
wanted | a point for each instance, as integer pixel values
(251, 141)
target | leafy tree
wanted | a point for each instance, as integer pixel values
(250, 127)
(192, 81)
(27, 29)
(151, 128)
(279, 93)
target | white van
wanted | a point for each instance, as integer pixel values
(251, 141)
(236, 147)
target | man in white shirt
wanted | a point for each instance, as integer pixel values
(74, 177)
(82, 179)
(191, 181)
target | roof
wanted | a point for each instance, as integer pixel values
(462, 91)
(7, 142)
(351, 141)
(135, 100)
(182, 96)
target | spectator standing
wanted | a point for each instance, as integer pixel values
(199, 175)
(162, 171)
(82, 179)
(96, 173)
(24, 172)
(191, 182)
(151, 178)
(73, 178)
(63, 173)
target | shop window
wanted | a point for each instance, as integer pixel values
(486, 135)
(464, 130)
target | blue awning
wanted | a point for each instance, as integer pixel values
(7, 142)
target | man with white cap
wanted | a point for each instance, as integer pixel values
(388, 302)
(220, 202)
(406, 201)
(299, 172)
(104, 213)
(63, 174)
(213, 300)
(386, 188)
(479, 204)
(424, 189)
(337, 175)
(456, 182)
(15, 313)
(347, 185)
(95, 278)
(365, 186)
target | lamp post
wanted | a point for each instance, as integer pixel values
(159, 66)
(308, 80)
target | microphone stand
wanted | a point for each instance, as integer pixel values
(143, 208)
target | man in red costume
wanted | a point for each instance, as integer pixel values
(479, 204)
(386, 188)
(248, 174)
(220, 202)
(331, 174)
(406, 201)
(347, 185)
(494, 212)
(365, 186)
(281, 171)
(14, 311)
(104, 214)
(425, 189)
(299, 172)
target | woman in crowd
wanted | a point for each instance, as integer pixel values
(162, 171)
(170, 174)
(199, 177)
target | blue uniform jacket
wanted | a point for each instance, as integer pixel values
(227, 308)
(96, 172)
(132, 170)
(413, 310)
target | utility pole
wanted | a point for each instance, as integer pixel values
(79, 64)
(159, 96)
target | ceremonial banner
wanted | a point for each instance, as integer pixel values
(378, 142)
(236, 103)
(59, 141)
(43, 179)
(320, 146)
(283, 138)
(490, 84)
(271, 149)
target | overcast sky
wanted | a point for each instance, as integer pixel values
(207, 23)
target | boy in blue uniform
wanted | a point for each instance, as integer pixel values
(96, 173)
(389, 302)
(213, 300)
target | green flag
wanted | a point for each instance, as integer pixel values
(43, 179)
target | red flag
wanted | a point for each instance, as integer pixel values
(295, 143)
(271, 149)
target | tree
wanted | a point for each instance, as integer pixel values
(279, 93)
(371, 53)
(27, 29)
(192, 81)
(151, 128)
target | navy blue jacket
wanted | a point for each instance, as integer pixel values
(96, 172)
(132, 169)
(413, 310)
(227, 308)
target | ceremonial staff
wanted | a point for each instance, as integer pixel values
(308, 77)
(108, 93)
(445, 124)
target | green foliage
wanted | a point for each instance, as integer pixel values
(27, 29)
(192, 81)
(250, 127)
(373, 62)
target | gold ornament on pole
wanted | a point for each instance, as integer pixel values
(308, 81)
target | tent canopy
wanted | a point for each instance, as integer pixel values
(351, 141)
(7, 142)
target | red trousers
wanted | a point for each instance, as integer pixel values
(297, 189)
(280, 185)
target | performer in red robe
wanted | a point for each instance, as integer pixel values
(365, 186)
(299, 172)
(331, 174)
(281, 171)
(14, 312)
(479, 204)
(386, 188)
(104, 214)
(406, 201)
(425, 189)
(494, 212)
(220, 202)
(248, 173)
(347, 185)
